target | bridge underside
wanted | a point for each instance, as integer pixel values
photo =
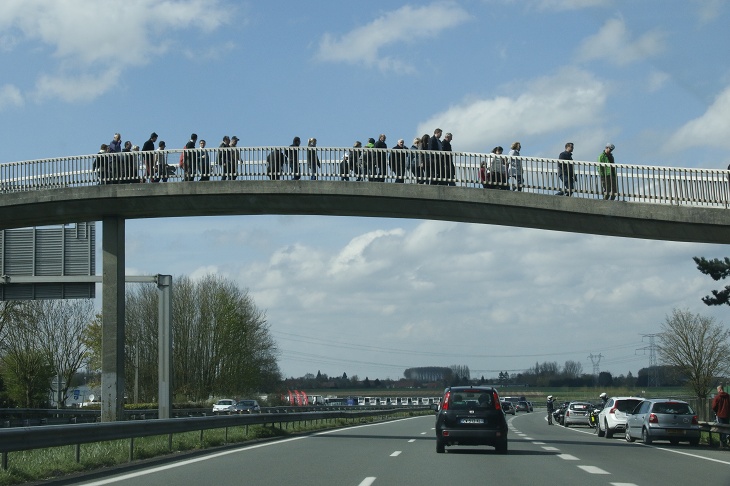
(334, 198)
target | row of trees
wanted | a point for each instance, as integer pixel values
(221, 344)
(440, 374)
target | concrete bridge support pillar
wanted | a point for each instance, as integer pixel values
(112, 315)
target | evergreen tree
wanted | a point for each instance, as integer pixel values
(718, 270)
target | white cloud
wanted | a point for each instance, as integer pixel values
(613, 45)
(10, 96)
(94, 42)
(710, 129)
(709, 10)
(569, 99)
(84, 87)
(657, 80)
(480, 281)
(557, 5)
(363, 45)
(571, 4)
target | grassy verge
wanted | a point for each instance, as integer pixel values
(41, 464)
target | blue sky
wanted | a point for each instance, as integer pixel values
(371, 297)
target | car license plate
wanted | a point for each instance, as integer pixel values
(472, 421)
(675, 431)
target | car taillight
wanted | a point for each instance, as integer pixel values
(567, 413)
(497, 403)
(653, 419)
(613, 410)
(446, 401)
(694, 420)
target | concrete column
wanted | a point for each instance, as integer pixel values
(164, 346)
(112, 315)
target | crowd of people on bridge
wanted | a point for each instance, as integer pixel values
(427, 161)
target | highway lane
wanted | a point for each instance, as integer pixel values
(615, 461)
(404, 452)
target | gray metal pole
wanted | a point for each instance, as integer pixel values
(112, 320)
(164, 343)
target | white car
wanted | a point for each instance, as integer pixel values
(224, 405)
(613, 416)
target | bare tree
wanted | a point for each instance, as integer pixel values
(696, 346)
(572, 369)
(61, 325)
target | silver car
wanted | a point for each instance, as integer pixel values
(663, 419)
(576, 413)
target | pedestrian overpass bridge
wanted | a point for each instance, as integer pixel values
(658, 203)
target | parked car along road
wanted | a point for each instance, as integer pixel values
(224, 405)
(247, 406)
(507, 407)
(577, 414)
(471, 415)
(613, 416)
(522, 406)
(663, 419)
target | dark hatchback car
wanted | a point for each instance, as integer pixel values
(471, 416)
(247, 406)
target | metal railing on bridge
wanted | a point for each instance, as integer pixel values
(663, 185)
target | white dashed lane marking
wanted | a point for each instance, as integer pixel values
(568, 457)
(412, 440)
(367, 481)
(593, 470)
(549, 448)
(396, 454)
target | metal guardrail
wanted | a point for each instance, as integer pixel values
(33, 417)
(714, 428)
(664, 185)
(27, 438)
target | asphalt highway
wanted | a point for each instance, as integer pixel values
(403, 452)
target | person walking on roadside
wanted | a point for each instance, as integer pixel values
(721, 407)
(550, 409)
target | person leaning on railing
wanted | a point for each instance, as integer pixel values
(607, 171)
(101, 164)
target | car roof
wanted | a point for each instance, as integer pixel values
(625, 398)
(664, 400)
(477, 387)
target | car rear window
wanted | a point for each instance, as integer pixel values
(674, 408)
(626, 405)
(471, 399)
